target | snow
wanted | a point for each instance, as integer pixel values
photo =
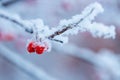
(84, 22)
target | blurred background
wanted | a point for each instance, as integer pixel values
(83, 58)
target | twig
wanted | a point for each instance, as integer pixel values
(9, 2)
(7, 17)
(56, 33)
(83, 22)
(24, 65)
(66, 28)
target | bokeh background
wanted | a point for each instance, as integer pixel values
(83, 58)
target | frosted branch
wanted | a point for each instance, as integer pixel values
(16, 19)
(84, 22)
(24, 65)
(71, 23)
(9, 2)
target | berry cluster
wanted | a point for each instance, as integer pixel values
(34, 47)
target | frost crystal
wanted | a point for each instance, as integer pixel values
(84, 22)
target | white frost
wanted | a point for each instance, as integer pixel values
(84, 22)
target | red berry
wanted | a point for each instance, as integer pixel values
(9, 37)
(31, 47)
(0, 36)
(39, 49)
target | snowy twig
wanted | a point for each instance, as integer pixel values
(82, 22)
(9, 2)
(66, 28)
(24, 65)
(15, 19)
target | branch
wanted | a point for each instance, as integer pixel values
(83, 22)
(9, 2)
(70, 26)
(24, 65)
(15, 19)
